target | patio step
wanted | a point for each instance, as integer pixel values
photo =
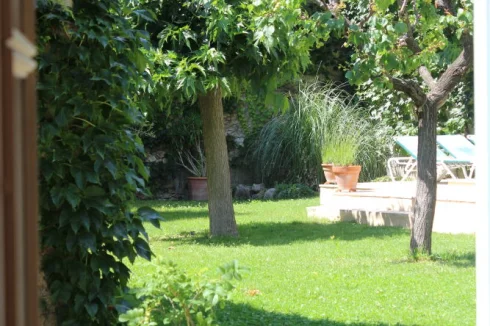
(376, 218)
(373, 218)
(389, 203)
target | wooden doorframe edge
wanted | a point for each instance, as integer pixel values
(30, 159)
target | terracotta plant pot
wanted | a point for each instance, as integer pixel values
(347, 177)
(198, 188)
(329, 175)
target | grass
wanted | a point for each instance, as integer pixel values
(307, 272)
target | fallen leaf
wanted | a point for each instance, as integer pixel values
(253, 293)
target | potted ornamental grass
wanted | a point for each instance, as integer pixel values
(195, 163)
(340, 149)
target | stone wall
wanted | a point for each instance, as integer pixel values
(169, 182)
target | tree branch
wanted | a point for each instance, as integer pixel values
(427, 76)
(333, 7)
(408, 40)
(403, 7)
(445, 5)
(411, 88)
(454, 73)
(365, 20)
(320, 4)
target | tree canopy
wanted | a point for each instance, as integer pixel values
(204, 44)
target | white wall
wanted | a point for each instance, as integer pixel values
(482, 124)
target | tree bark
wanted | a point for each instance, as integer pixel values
(426, 190)
(221, 214)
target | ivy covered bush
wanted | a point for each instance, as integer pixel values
(91, 70)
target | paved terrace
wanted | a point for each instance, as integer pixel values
(390, 204)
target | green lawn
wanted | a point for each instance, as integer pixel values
(308, 272)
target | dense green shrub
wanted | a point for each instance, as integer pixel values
(171, 297)
(90, 74)
(174, 129)
(293, 191)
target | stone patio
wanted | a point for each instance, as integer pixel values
(390, 204)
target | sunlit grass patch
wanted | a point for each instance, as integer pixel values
(309, 272)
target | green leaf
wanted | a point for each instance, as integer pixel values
(140, 61)
(120, 230)
(103, 40)
(79, 302)
(111, 167)
(349, 75)
(92, 177)
(382, 5)
(150, 215)
(142, 248)
(56, 195)
(94, 191)
(401, 28)
(142, 170)
(100, 263)
(75, 224)
(72, 195)
(85, 220)
(65, 217)
(77, 174)
(87, 241)
(390, 61)
(70, 241)
(91, 309)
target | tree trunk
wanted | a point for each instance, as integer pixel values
(425, 197)
(221, 215)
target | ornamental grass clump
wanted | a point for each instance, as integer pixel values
(194, 163)
(349, 134)
(340, 150)
(323, 125)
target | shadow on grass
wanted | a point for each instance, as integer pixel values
(274, 234)
(457, 259)
(176, 210)
(244, 315)
(182, 214)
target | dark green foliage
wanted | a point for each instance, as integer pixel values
(176, 129)
(90, 72)
(293, 191)
(253, 114)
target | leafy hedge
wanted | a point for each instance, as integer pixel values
(90, 72)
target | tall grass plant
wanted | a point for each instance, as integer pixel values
(290, 146)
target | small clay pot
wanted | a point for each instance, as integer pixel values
(329, 175)
(198, 188)
(347, 177)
